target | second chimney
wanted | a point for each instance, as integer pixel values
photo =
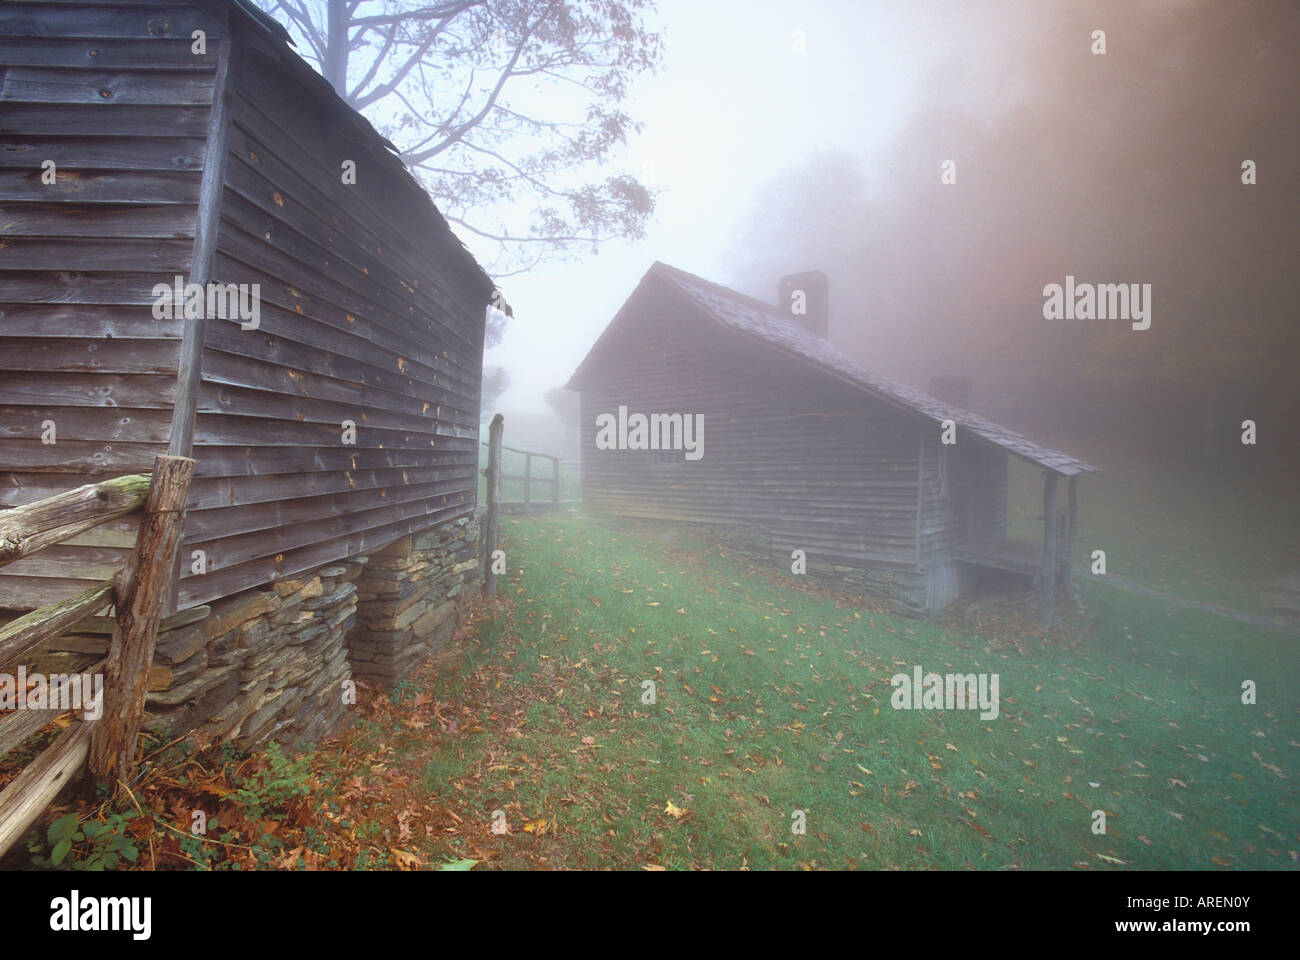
(805, 298)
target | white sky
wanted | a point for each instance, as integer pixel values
(731, 108)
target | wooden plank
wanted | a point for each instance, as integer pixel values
(19, 637)
(141, 392)
(229, 551)
(239, 461)
(95, 220)
(93, 22)
(115, 121)
(26, 529)
(43, 322)
(215, 493)
(143, 587)
(89, 355)
(87, 563)
(21, 724)
(137, 88)
(79, 456)
(93, 253)
(26, 287)
(27, 796)
(101, 186)
(29, 593)
(102, 153)
(264, 570)
(220, 399)
(103, 53)
(274, 515)
(86, 423)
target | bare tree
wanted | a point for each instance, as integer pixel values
(497, 106)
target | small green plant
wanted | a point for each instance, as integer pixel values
(93, 845)
(271, 787)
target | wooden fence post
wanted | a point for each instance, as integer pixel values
(489, 533)
(142, 588)
(555, 481)
(528, 481)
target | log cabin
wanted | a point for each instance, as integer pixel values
(805, 450)
(148, 142)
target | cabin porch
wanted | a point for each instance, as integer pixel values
(1048, 562)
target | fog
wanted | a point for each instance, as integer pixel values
(943, 163)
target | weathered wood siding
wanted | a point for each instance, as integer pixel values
(113, 94)
(371, 312)
(818, 464)
(964, 501)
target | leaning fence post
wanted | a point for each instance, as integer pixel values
(141, 591)
(493, 504)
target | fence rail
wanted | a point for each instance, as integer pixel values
(136, 592)
(527, 476)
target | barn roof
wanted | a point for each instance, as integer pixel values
(768, 323)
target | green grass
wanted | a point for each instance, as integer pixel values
(1190, 533)
(772, 699)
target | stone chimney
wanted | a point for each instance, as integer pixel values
(806, 298)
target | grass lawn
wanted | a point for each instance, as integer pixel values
(774, 698)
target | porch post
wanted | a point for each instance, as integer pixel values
(1072, 531)
(1047, 578)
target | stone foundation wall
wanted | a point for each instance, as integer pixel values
(270, 663)
(267, 664)
(409, 595)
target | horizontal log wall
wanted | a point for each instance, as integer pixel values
(114, 95)
(815, 463)
(370, 312)
(969, 505)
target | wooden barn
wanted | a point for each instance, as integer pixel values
(205, 252)
(802, 449)
(146, 144)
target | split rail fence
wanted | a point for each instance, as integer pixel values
(137, 593)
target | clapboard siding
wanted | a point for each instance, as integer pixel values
(367, 314)
(112, 94)
(814, 463)
(370, 309)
